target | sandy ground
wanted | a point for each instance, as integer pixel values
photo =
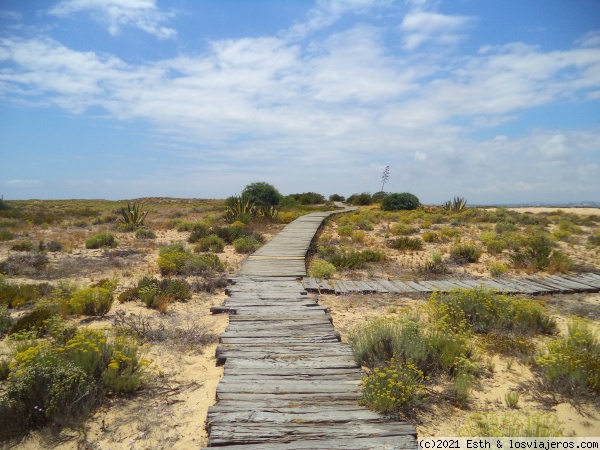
(171, 412)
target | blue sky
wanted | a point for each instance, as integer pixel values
(495, 100)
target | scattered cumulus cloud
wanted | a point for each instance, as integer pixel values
(141, 14)
(421, 27)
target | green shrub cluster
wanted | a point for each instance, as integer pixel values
(430, 236)
(400, 201)
(175, 259)
(101, 240)
(308, 198)
(539, 254)
(246, 244)
(349, 259)
(210, 243)
(145, 233)
(22, 246)
(486, 311)
(406, 243)
(571, 365)
(392, 387)
(363, 199)
(157, 294)
(14, 295)
(228, 234)
(92, 301)
(55, 382)
(465, 253)
(402, 229)
(321, 269)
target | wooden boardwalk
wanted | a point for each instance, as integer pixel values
(284, 255)
(564, 284)
(289, 383)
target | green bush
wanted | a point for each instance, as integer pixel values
(345, 230)
(14, 295)
(321, 269)
(344, 259)
(503, 227)
(33, 320)
(402, 229)
(337, 198)
(92, 301)
(363, 199)
(497, 269)
(172, 262)
(60, 383)
(571, 365)
(495, 246)
(101, 240)
(539, 254)
(465, 253)
(406, 243)
(203, 264)
(210, 243)
(448, 233)
(486, 312)
(145, 233)
(246, 245)
(393, 387)
(431, 347)
(400, 201)
(431, 236)
(262, 194)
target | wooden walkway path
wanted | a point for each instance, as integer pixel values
(564, 284)
(284, 255)
(289, 383)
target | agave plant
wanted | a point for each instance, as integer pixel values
(456, 205)
(240, 208)
(270, 212)
(133, 215)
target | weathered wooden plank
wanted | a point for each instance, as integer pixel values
(309, 316)
(387, 285)
(325, 287)
(350, 443)
(430, 286)
(264, 340)
(551, 283)
(417, 287)
(343, 362)
(573, 284)
(403, 287)
(585, 279)
(339, 287)
(257, 433)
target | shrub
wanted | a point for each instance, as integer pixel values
(497, 269)
(485, 311)
(401, 201)
(101, 240)
(431, 347)
(571, 365)
(402, 229)
(393, 387)
(343, 259)
(22, 246)
(363, 199)
(539, 254)
(336, 198)
(262, 194)
(52, 382)
(246, 245)
(33, 320)
(210, 243)
(344, 230)
(308, 198)
(503, 227)
(321, 269)
(92, 301)
(406, 243)
(358, 236)
(203, 264)
(240, 208)
(5, 320)
(431, 236)
(172, 262)
(145, 233)
(495, 246)
(14, 295)
(465, 253)
(365, 224)
(447, 233)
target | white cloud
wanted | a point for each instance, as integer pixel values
(141, 14)
(420, 27)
